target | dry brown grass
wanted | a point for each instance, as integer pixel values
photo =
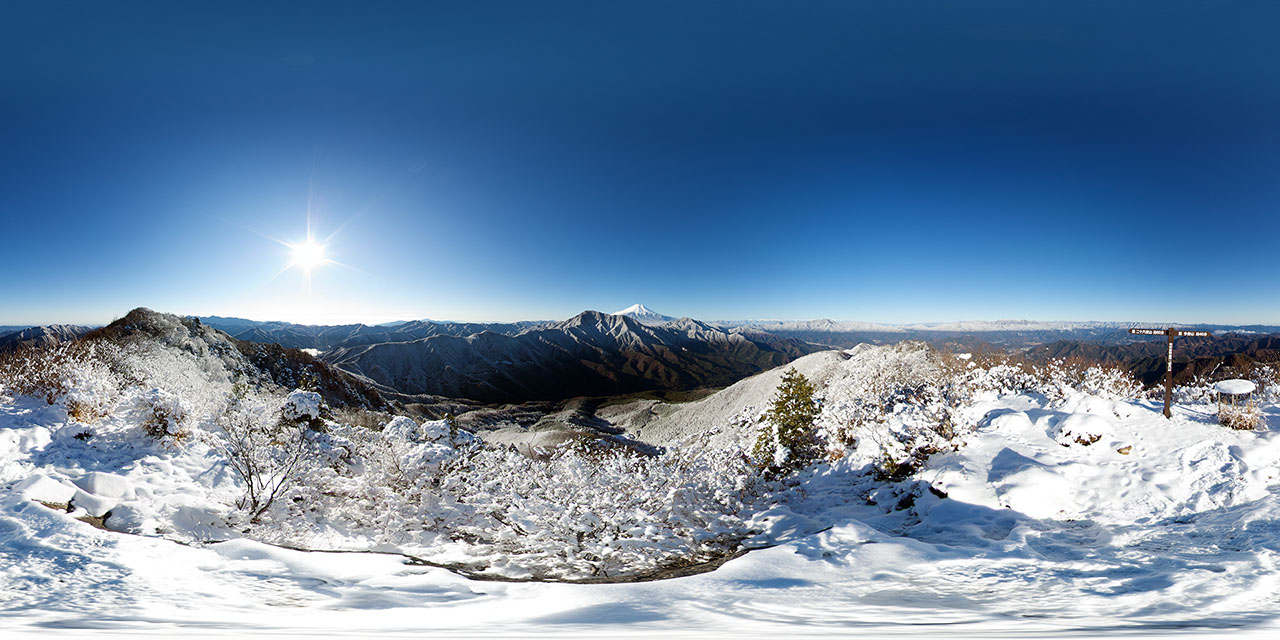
(360, 417)
(85, 412)
(1246, 418)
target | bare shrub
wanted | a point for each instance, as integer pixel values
(86, 412)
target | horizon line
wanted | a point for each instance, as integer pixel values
(917, 325)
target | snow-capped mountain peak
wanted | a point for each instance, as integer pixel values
(643, 314)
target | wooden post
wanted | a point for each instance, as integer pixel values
(1168, 377)
(1171, 333)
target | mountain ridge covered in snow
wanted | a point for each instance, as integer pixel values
(591, 354)
(325, 337)
(42, 336)
(827, 332)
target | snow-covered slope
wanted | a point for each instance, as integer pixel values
(728, 418)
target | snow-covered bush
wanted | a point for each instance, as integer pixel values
(1081, 429)
(579, 515)
(1062, 376)
(302, 407)
(417, 449)
(583, 510)
(201, 384)
(93, 375)
(1267, 377)
(896, 406)
(78, 373)
(165, 416)
(261, 446)
(401, 429)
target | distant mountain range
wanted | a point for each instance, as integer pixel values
(641, 350)
(1006, 334)
(591, 354)
(1145, 360)
(1011, 334)
(324, 338)
(41, 336)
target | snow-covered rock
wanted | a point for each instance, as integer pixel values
(41, 487)
(1082, 429)
(95, 505)
(106, 485)
(126, 518)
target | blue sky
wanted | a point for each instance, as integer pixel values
(880, 161)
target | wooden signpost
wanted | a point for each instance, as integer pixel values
(1168, 370)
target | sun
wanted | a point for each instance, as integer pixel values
(308, 255)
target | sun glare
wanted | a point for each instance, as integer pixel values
(308, 254)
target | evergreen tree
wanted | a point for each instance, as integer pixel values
(788, 440)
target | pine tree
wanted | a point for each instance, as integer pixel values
(788, 440)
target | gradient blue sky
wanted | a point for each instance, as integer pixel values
(886, 161)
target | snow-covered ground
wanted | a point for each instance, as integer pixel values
(1155, 527)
